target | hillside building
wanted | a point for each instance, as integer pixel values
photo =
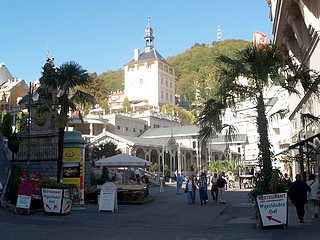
(148, 76)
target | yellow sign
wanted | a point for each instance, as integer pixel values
(75, 181)
(71, 154)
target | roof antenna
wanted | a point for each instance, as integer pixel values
(219, 33)
(48, 58)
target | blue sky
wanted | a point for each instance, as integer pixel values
(101, 34)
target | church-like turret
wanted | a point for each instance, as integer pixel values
(149, 37)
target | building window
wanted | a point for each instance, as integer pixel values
(167, 96)
(127, 129)
(194, 144)
(161, 80)
(167, 83)
(170, 98)
(134, 130)
(118, 127)
(170, 84)
(161, 95)
(141, 81)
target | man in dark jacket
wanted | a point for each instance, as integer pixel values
(298, 195)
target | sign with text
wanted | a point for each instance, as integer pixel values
(56, 200)
(107, 199)
(52, 199)
(73, 171)
(273, 209)
(23, 201)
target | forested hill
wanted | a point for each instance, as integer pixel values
(193, 68)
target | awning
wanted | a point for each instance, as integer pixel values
(303, 142)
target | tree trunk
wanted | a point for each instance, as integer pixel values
(264, 146)
(60, 154)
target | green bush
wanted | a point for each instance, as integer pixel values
(52, 183)
(14, 185)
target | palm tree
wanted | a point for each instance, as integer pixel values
(217, 166)
(61, 90)
(262, 66)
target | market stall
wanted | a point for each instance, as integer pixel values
(130, 189)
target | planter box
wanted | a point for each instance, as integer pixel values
(56, 201)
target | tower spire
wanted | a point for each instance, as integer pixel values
(149, 37)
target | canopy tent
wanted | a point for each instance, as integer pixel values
(123, 160)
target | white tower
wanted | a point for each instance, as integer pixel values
(219, 34)
(149, 77)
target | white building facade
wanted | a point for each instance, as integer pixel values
(149, 77)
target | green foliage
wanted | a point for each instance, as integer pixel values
(52, 183)
(107, 149)
(113, 79)
(99, 88)
(195, 68)
(217, 166)
(166, 168)
(13, 143)
(104, 177)
(93, 179)
(6, 127)
(105, 106)
(276, 184)
(155, 167)
(232, 166)
(63, 88)
(4, 112)
(19, 121)
(126, 106)
(14, 185)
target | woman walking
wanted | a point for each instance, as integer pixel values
(191, 190)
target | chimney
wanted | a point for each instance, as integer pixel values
(136, 54)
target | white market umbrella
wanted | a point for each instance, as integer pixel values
(123, 160)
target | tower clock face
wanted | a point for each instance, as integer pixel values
(40, 119)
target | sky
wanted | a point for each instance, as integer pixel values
(101, 35)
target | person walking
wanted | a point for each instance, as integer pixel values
(222, 186)
(161, 184)
(214, 187)
(313, 196)
(179, 181)
(286, 181)
(202, 184)
(298, 195)
(191, 188)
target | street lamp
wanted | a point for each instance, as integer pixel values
(28, 132)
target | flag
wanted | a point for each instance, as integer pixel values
(259, 38)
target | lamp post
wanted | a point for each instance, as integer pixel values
(28, 132)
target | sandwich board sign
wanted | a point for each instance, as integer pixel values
(273, 209)
(108, 200)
